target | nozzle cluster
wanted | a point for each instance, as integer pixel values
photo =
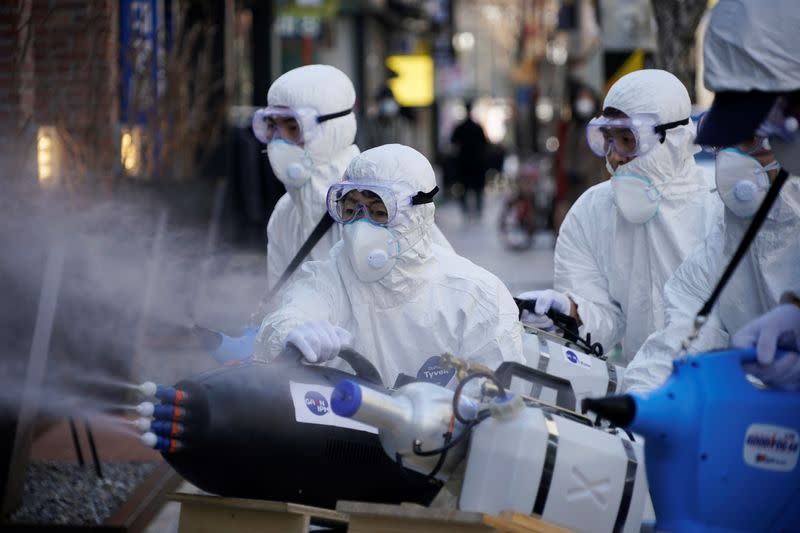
(161, 423)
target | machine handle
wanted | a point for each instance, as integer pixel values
(565, 395)
(362, 366)
(565, 322)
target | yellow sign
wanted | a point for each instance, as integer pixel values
(635, 61)
(413, 86)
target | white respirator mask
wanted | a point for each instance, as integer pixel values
(290, 163)
(742, 182)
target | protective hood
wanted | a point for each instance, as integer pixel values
(752, 45)
(327, 90)
(326, 156)
(670, 166)
(406, 172)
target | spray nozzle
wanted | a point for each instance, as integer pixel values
(163, 392)
(145, 408)
(142, 424)
(162, 444)
(148, 388)
(619, 410)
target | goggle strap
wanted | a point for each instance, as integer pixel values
(424, 197)
(330, 116)
(662, 128)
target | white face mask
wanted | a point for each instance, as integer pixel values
(584, 107)
(372, 250)
(742, 182)
(290, 163)
(636, 197)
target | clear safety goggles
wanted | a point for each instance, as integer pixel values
(296, 125)
(627, 136)
(348, 202)
(779, 124)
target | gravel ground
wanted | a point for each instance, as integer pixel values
(65, 493)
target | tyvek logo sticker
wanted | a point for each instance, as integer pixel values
(316, 403)
(770, 447)
(576, 359)
(432, 372)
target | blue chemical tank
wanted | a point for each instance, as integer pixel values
(721, 453)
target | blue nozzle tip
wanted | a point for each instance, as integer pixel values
(346, 398)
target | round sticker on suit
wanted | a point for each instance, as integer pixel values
(432, 372)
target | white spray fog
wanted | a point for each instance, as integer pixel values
(135, 271)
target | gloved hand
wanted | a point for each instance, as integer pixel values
(545, 300)
(319, 340)
(780, 328)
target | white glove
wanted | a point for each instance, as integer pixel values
(545, 300)
(778, 329)
(319, 340)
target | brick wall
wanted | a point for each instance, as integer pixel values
(16, 79)
(63, 73)
(76, 78)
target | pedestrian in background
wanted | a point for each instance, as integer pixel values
(471, 143)
(576, 167)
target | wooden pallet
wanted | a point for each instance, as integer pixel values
(379, 518)
(205, 513)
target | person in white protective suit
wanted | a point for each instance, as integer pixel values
(309, 128)
(623, 238)
(752, 64)
(388, 290)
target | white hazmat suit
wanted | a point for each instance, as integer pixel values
(326, 156)
(615, 270)
(429, 302)
(770, 268)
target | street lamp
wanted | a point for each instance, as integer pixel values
(47, 155)
(131, 150)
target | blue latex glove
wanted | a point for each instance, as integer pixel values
(778, 329)
(234, 348)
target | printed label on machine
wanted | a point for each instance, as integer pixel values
(312, 405)
(578, 359)
(771, 447)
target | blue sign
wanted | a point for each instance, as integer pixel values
(317, 403)
(145, 33)
(432, 372)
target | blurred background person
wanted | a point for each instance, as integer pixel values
(385, 123)
(471, 144)
(575, 166)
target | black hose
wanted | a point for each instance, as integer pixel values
(460, 387)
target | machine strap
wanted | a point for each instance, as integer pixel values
(549, 464)
(627, 490)
(544, 362)
(612, 378)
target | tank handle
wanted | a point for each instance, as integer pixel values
(362, 366)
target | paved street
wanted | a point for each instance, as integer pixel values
(479, 241)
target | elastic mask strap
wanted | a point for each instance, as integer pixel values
(411, 238)
(424, 197)
(661, 129)
(323, 118)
